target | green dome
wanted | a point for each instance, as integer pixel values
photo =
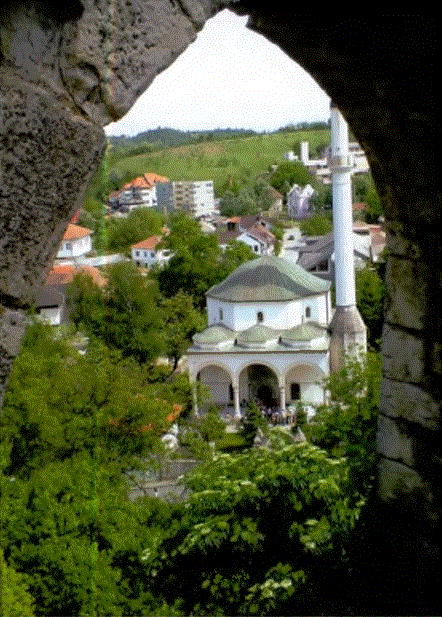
(213, 335)
(268, 279)
(304, 332)
(257, 334)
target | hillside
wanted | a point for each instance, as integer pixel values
(236, 160)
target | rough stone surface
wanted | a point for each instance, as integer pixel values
(407, 401)
(402, 355)
(406, 291)
(393, 443)
(397, 479)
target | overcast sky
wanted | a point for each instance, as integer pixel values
(230, 77)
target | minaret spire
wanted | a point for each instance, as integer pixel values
(348, 332)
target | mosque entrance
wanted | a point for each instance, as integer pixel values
(259, 383)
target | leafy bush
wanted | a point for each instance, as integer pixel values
(258, 530)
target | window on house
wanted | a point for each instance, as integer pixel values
(260, 316)
(221, 314)
(255, 248)
(295, 391)
(69, 246)
(308, 311)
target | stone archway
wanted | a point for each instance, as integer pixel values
(64, 72)
(259, 383)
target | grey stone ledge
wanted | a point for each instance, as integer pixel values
(402, 355)
(399, 399)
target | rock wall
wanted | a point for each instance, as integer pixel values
(66, 72)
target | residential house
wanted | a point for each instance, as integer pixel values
(139, 192)
(76, 242)
(252, 230)
(50, 303)
(318, 254)
(149, 253)
(298, 200)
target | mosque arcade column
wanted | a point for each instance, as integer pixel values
(282, 400)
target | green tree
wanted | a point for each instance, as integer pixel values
(15, 599)
(370, 298)
(193, 268)
(316, 225)
(140, 224)
(180, 321)
(71, 427)
(260, 533)
(346, 425)
(123, 314)
(292, 173)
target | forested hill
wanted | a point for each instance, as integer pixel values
(168, 137)
(231, 158)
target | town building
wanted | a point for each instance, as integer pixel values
(320, 166)
(149, 253)
(298, 201)
(76, 242)
(50, 305)
(195, 197)
(139, 192)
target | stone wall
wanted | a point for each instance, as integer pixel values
(65, 73)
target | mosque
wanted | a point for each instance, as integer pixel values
(272, 333)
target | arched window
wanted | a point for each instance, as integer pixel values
(260, 316)
(308, 311)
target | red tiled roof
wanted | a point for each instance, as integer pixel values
(146, 181)
(64, 274)
(149, 243)
(75, 232)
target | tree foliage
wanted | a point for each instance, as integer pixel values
(290, 173)
(346, 425)
(123, 314)
(257, 530)
(141, 223)
(71, 428)
(316, 225)
(370, 298)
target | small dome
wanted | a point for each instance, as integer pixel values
(257, 335)
(213, 335)
(305, 332)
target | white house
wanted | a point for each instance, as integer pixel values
(139, 192)
(77, 241)
(298, 200)
(266, 336)
(147, 254)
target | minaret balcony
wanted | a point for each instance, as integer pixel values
(341, 163)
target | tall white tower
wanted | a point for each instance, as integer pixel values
(348, 332)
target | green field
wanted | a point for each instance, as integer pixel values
(238, 160)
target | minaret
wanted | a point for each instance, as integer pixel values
(348, 332)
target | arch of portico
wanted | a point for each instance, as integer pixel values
(234, 366)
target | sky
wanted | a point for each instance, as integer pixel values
(230, 77)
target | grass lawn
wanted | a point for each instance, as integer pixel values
(230, 442)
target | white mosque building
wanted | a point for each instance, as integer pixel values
(266, 337)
